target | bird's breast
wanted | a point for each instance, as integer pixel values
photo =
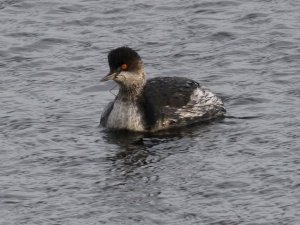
(125, 115)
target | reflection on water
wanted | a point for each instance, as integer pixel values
(139, 149)
(132, 150)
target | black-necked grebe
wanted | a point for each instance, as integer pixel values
(155, 104)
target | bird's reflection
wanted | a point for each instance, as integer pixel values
(138, 149)
(132, 150)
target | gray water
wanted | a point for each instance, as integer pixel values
(58, 167)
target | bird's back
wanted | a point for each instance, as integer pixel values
(171, 102)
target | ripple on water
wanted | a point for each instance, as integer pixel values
(58, 167)
(252, 17)
(222, 36)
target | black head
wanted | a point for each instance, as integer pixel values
(124, 58)
(126, 67)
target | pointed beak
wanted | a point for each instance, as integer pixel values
(110, 76)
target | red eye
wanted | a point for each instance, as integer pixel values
(124, 67)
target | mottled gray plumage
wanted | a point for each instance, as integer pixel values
(156, 104)
(177, 101)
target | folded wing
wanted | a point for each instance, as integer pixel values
(177, 101)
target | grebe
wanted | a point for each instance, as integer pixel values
(155, 104)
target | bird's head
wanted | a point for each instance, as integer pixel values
(126, 67)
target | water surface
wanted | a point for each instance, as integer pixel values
(58, 167)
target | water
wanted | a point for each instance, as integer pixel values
(58, 167)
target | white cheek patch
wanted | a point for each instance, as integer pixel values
(129, 78)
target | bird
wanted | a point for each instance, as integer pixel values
(155, 104)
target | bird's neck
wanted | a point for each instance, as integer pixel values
(131, 93)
